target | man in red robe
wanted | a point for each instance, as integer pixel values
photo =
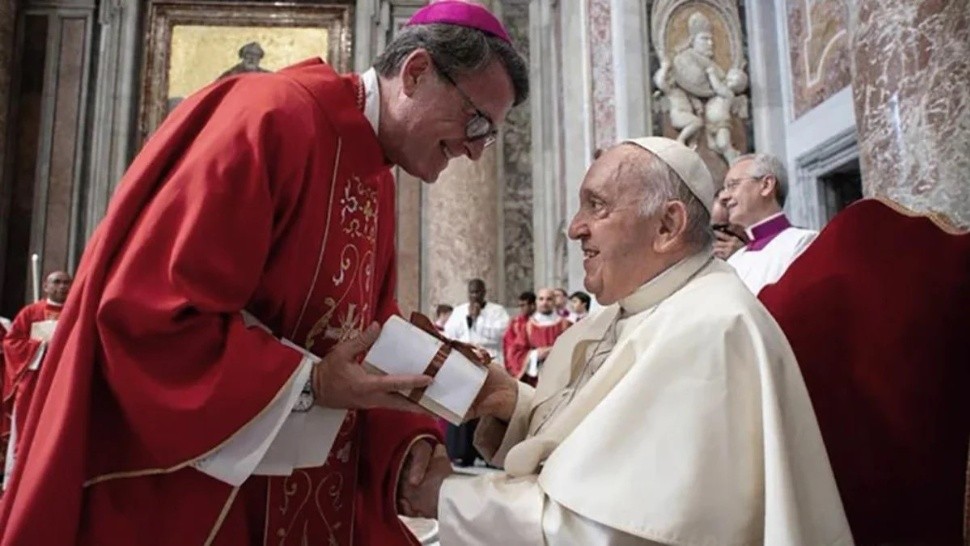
(527, 306)
(529, 346)
(204, 386)
(23, 348)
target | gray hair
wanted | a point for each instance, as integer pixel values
(456, 51)
(660, 185)
(763, 165)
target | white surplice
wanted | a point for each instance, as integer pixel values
(694, 427)
(764, 266)
(486, 330)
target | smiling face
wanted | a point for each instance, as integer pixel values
(432, 114)
(617, 240)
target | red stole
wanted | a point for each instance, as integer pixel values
(153, 366)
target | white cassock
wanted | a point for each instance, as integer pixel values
(774, 246)
(486, 331)
(678, 416)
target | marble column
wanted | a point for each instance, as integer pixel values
(8, 20)
(911, 86)
(462, 231)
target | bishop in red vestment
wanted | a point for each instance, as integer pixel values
(252, 237)
(23, 348)
(529, 342)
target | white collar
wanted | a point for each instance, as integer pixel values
(665, 284)
(372, 98)
(546, 320)
(54, 303)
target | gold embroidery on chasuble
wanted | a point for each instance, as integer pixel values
(314, 504)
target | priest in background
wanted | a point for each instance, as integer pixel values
(526, 350)
(24, 347)
(728, 238)
(204, 386)
(676, 414)
(754, 193)
(481, 323)
(527, 306)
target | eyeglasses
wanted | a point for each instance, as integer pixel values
(730, 185)
(480, 126)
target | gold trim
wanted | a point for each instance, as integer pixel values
(222, 516)
(326, 237)
(940, 219)
(400, 470)
(153, 471)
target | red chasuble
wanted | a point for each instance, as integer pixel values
(19, 351)
(267, 193)
(523, 336)
(877, 311)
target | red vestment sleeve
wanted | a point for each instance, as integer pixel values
(517, 347)
(185, 371)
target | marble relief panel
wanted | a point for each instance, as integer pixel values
(517, 204)
(818, 39)
(601, 58)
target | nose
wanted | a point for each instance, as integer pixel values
(474, 149)
(577, 228)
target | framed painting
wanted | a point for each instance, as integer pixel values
(191, 44)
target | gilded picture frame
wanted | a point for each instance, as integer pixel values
(190, 44)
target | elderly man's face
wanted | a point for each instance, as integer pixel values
(744, 195)
(436, 113)
(616, 239)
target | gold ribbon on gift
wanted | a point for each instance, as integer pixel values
(476, 355)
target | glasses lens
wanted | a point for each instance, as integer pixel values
(478, 127)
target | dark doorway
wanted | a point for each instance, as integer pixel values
(841, 187)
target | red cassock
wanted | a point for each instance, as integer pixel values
(267, 193)
(524, 335)
(19, 351)
(877, 311)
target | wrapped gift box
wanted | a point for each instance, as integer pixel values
(408, 348)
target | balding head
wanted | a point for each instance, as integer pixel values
(57, 285)
(546, 300)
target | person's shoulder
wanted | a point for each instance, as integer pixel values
(718, 295)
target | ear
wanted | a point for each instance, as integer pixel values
(672, 224)
(415, 66)
(769, 186)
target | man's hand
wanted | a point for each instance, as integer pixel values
(498, 395)
(340, 382)
(419, 497)
(725, 245)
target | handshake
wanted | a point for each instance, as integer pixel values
(427, 465)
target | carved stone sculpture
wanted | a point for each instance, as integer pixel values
(702, 101)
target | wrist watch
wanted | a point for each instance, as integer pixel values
(305, 402)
